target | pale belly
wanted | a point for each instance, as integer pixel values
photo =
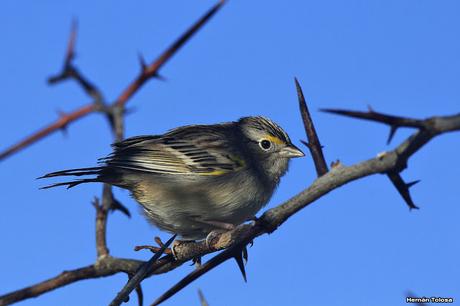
(194, 211)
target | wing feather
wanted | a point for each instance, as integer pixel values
(201, 150)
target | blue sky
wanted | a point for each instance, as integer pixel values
(358, 245)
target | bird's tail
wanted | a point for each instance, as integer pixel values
(75, 172)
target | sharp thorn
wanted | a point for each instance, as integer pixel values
(402, 189)
(64, 130)
(160, 77)
(116, 205)
(140, 295)
(410, 184)
(305, 143)
(393, 129)
(239, 261)
(142, 61)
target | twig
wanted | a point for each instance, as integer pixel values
(69, 71)
(147, 73)
(315, 147)
(428, 128)
(394, 122)
(105, 267)
(101, 220)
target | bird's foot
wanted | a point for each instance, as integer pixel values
(154, 249)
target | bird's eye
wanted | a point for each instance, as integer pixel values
(265, 144)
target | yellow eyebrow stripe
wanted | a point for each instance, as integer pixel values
(274, 139)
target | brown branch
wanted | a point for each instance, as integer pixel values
(105, 267)
(60, 124)
(147, 73)
(315, 147)
(101, 220)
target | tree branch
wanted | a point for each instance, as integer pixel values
(394, 122)
(105, 267)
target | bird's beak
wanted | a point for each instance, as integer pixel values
(291, 151)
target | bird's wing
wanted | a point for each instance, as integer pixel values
(200, 150)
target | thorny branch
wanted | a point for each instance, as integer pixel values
(115, 110)
(390, 163)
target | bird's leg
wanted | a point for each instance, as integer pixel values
(219, 225)
(219, 228)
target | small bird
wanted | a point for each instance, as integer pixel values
(197, 179)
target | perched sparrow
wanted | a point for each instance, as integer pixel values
(198, 178)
